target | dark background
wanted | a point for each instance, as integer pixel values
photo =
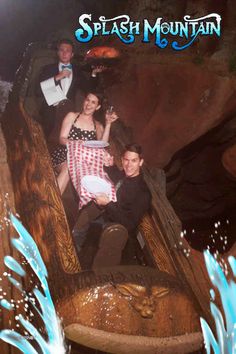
(26, 21)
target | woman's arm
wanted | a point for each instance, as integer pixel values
(104, 133)
(66, 127)
(99, 130)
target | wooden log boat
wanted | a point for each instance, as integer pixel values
(126, 309)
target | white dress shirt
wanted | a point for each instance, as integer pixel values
(66, 81)
(56, 93)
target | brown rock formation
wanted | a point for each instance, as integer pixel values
(169, 105)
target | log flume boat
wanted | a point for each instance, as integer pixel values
(125, 309)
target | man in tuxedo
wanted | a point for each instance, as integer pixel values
(67, 77)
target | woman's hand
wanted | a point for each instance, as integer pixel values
(111, 117)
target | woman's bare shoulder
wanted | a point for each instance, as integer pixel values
(71, 116)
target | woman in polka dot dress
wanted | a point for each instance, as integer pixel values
(80, 126)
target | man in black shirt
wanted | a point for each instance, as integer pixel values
(120, 219)
(133, 196)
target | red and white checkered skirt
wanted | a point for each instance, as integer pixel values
(85, 161)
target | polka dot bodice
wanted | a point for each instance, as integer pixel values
(59, 155)
(77, 133)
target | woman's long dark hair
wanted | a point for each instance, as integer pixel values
(98, 115)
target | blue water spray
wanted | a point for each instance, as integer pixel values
(55, 343)
(225, 341)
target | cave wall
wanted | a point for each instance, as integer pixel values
(182, 106)
(169, 105)
(198, 184)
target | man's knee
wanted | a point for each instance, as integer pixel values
(88, 214)
(117, 228)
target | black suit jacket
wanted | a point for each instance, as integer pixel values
(133, 199)
(80, 82)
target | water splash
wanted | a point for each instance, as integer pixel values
(225, 341)
(5, 88)
(4, 303)
(55, 343)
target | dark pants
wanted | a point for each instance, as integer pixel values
(88, 215)
(112, 236)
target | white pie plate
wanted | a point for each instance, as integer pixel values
(95, 144)
(96, 185)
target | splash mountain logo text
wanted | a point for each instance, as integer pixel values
(179, 34)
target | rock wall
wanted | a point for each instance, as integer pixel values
(181, 107)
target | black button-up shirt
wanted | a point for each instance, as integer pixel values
(133, 199)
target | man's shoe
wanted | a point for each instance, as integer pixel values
(111, 245)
